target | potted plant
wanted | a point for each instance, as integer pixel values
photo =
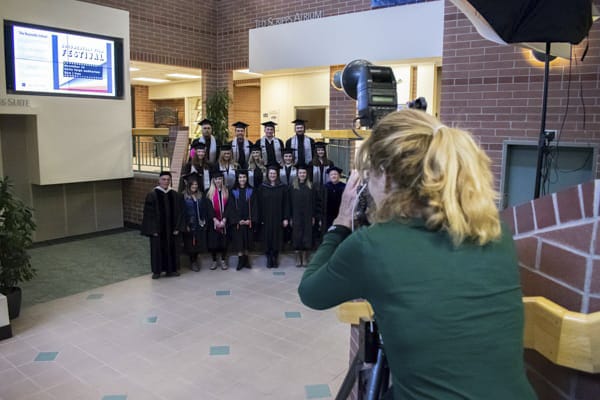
(16, 229)
(217, 110)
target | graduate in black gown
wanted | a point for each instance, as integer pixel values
(162, 222)
(242, 216)
(256, 167)
(273, 214)
(196, 219)
(198, 164)
(218, 199)
(304, 202)
(333, 195)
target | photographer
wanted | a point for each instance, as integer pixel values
(437, 266)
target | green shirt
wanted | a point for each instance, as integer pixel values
(451, 317)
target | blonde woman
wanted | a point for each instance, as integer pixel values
(256, 167)
(218, 197)
(227, 165)
(437, 265)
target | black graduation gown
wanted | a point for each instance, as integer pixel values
(255, 177)
(243, 207)
(332, 201)
(163, 214)
(217, 239)
(304, 207)
(273, 209)
(196, 219)
(203, 177)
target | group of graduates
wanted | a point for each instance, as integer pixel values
(239, 195)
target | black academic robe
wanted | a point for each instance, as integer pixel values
(196, 219)
(273, 209)
(243, 206)
(163, 215)
(304, 202)
(203, 176)
(318, 172)
(332, 201)
(217, 238)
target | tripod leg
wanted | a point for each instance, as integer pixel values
(349, 379)
(374, 389)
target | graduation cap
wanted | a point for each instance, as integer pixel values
(215, 173)
(241, 171)
(163, 173)
(191, 177)
(320, 145)
(287, 150)
(334, 168)
(225, 147)
(240, 124)
(302, 166)
(255, 147)
(197, 144)
(299, 122)
(205, 121)
(275, 167)
(269, 123)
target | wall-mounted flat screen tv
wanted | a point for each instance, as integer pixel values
(49, 61)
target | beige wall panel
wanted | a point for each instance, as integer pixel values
(109, 205)
(13, 135)
(81, 216)
(49, 206)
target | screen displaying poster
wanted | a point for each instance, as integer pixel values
(51, 61)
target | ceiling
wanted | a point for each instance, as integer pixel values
(139, 69)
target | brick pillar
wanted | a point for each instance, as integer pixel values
(558, 246)
(342, 109)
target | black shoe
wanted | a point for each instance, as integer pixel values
(155, 276)
(276, 260)
(247, 261)
(240, 263)
(269, 261)
(173, 274)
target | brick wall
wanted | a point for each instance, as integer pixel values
(495, 91)
(134, 193)
(559, 253)
(342, 109)
(171, 32)
(144, 108)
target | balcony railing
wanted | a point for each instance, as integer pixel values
(151, 149)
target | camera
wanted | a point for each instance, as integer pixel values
(373, 87)
(418, 104)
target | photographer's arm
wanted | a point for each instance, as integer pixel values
(335, 273)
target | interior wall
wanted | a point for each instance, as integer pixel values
(246, 108)
(99, 129)
(280, 95)
(13, 142)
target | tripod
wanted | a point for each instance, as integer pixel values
(369, 366)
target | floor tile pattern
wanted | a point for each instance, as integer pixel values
(145, 339)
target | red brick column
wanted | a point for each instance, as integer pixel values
(558, 245)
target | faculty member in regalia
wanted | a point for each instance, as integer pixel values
(163, 221)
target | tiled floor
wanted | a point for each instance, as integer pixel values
(207, 335)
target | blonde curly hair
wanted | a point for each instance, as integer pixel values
(433, 172)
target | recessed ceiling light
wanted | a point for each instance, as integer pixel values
(151, 80)
(184, 76)
(133, 69)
